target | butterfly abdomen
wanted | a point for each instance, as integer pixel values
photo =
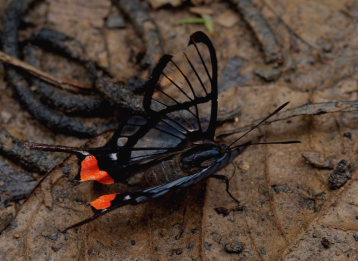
(183, 164)
(164, 172)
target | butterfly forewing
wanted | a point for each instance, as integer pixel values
(180, 101)
(186, 76)
(187, 88)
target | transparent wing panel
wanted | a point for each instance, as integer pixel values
(186, 84)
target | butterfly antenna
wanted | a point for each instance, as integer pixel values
(268, 143)
(261, 122)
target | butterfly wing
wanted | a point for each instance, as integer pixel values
(188, 86)
(180, 109)
(184, 112)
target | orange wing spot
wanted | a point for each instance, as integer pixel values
(91, 171)
(103, 202)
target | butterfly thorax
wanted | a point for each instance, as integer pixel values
(201, 156)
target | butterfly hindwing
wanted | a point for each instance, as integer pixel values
(107, 203)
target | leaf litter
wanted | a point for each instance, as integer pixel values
(305, 221)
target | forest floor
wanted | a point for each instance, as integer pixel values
(298, 201)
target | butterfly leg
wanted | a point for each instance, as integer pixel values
(227, 183)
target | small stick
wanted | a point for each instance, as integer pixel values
(72, 86)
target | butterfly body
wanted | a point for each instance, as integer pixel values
(188, 162)
(172, 145)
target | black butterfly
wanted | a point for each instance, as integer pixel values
(171, 145)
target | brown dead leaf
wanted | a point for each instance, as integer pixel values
(288, 212)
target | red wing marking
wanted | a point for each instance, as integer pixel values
(103, 202)
(91, 171)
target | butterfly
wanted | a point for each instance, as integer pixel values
(170, 146)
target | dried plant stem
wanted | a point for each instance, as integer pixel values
(71, 86)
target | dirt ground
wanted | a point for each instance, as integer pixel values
(290, 209)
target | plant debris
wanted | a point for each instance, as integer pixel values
(340, 175)
(317, 160)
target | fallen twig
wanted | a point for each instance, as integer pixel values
(64, 84)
